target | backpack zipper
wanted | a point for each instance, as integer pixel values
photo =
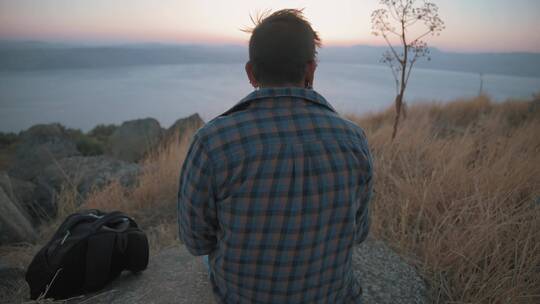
(65, 237)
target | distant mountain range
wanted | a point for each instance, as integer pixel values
(35, 55)
(516, 64)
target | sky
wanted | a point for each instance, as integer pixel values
(471, 25)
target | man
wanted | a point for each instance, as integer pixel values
(275, 190)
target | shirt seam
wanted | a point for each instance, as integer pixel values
(279, 141)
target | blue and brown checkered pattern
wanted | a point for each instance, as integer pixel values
(276, 191)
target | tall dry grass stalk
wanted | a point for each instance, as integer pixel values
(458, 192)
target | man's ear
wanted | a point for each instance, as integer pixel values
(311, 66)
(250, 75)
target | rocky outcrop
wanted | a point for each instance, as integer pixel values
(83, 174)
(20, 192)
(25, 203)
(46, 158)
(134, 138)
(175, 276)
(24, 195)
(5, 183)
(183, 125)
(14, 225)
(40, 146)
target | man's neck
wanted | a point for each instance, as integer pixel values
(282, 85)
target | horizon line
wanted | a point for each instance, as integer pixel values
(332, 44)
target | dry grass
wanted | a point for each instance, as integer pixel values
(152, 202)
(457, 193)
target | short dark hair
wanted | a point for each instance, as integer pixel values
(281, 45)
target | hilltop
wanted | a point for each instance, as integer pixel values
(456, 196)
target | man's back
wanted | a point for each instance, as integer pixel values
(276, 191)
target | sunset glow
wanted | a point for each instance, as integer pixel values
(481, 25)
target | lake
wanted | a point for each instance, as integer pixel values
(83, 98)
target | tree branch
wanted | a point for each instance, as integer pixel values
(410, 69)
(398, 58)
(393, 13)
(396, 80)
(421, 36)
(411, 22)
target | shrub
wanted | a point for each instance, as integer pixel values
(102, 132)
(89, 146)
(6, 139)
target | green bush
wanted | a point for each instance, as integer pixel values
(6, 139)
(102, 132)
(89, 146)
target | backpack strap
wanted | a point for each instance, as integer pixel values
(98, 260)
(107, 218)
(73, 220)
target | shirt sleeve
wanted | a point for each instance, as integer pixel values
(197, 219)
(362, 215)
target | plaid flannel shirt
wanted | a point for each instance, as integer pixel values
(276, 191)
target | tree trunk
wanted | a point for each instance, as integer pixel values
(398, 102)
(402, 84)
(404, 108)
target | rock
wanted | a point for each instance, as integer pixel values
(89, 172)
(386, 277)
(24, 194)
(5, 183)
(11, 283)
(134, 138)
(11, 187)
(192, 122)
(175, 276)
(14, 226)
(40, 146)
(83, 173)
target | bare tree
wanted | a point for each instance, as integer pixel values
(406, 24)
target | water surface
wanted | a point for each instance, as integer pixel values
(83, 98)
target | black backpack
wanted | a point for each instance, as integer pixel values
(89, 250)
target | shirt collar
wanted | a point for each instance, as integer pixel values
(296, 92)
